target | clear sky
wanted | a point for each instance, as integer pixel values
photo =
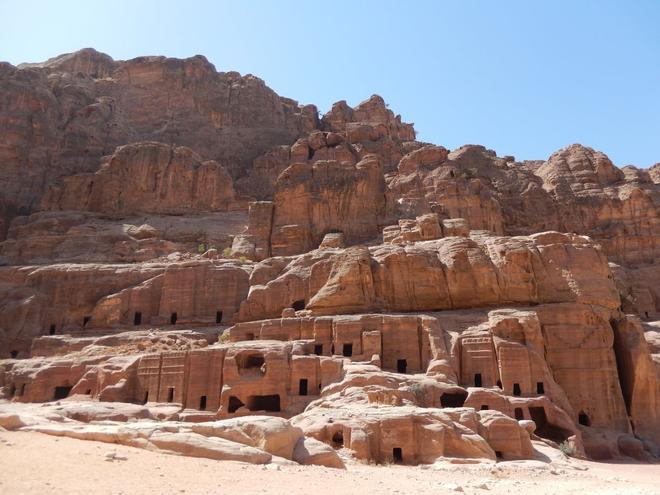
(521, 77)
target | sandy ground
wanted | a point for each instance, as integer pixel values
(41, 464)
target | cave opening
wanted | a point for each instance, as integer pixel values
(318, 349)
(251, 362)
(202, 403)
(86, 320)
(52, 329)
(546, 429)
(234, 404)
(170, 394)
(484, 407)
(518, 413)
(302, 386)
(269, 403)
(347, 350)
(455, 399)
(583, 419)
(516, 389)
(298, 305)
(61, 392)
(137, 318)
(401, 365)
(540, 389)
(173, 318)
(477, 379)
(13, 354)
(218, 316)
(397, 455)
(338, 439)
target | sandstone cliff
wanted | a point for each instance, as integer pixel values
(187, 250)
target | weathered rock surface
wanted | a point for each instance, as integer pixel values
(448, 273)
(146, 178)
(389, 298)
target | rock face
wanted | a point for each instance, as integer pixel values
(194, 264)
(146, 178)
(62, 116)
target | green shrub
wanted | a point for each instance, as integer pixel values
(226, 252)
(567, 448)
(201, 248)
(418, 391)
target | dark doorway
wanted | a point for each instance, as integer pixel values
(202, 403)
(401, 365)
(137, 318)
(86, 320)
(22, 391)
(397, 455)
(61, 392)
(218, 316)
(499, 384)
(498, 454)
(173, 318)
(347, 350)
(318, 349)
(13, 354)
(477, 379)
(546, 429)
(583, 419)
(518, 413)
(249, 336)
(484, 408)
(234, 404)
(254, 361)
(52, 329)
(539, 388)
(269, 403)
(146, 397)
(298, 305)
(338, 440)
(302, 386)
(170, 394)
(456, 399)
(516, 389)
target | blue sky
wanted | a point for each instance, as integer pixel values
(521, 77)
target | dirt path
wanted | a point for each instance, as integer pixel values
(33, 463)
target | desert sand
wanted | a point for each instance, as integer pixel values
(32, 463)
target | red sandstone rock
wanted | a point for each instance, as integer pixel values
(409, 302)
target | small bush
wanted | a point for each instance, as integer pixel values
(224, 337)
(418, 391)
(243, 259)
(469, 173)
(567, 448)
(226, 252)
(201, 248)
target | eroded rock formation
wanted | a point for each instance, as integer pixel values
(214, 270)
